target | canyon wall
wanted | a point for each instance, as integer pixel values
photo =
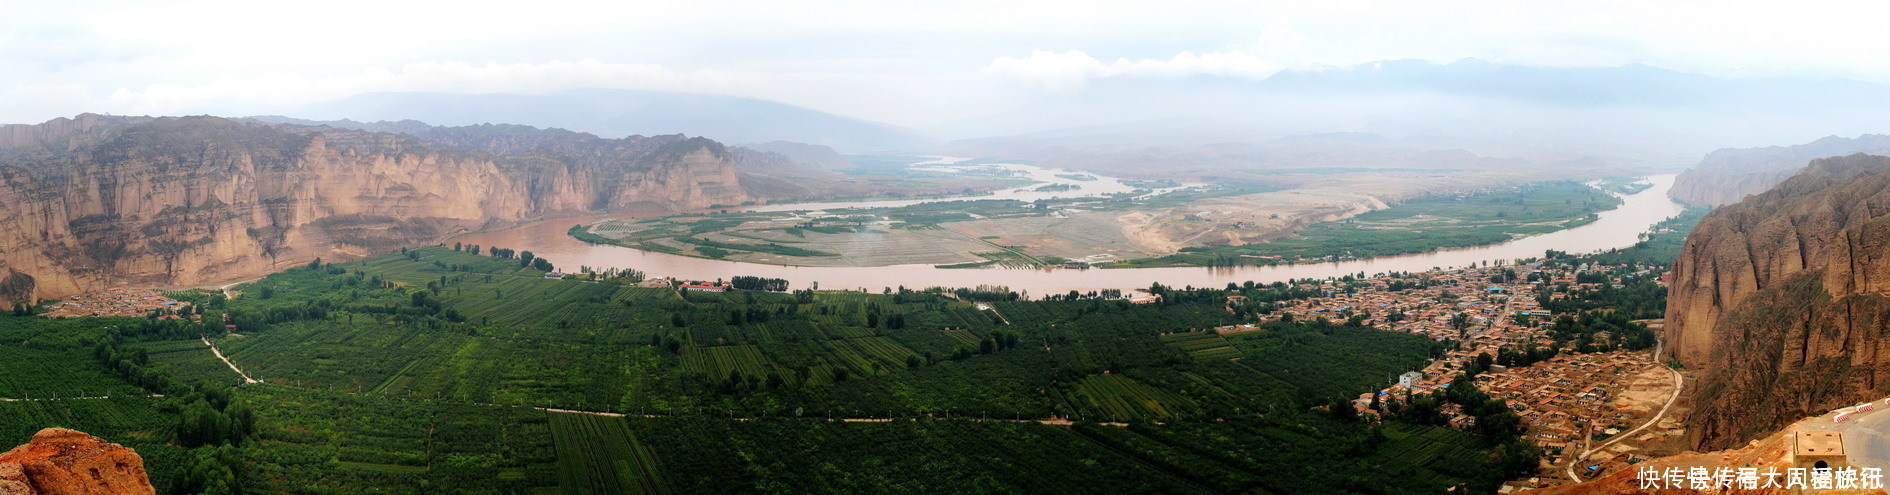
(1728, 175)
(1779, 301)
(98, 201)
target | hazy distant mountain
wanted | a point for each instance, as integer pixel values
(1638, 115)
(615, 113)
(1730, 174)
(824, 157)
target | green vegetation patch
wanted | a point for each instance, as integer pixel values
(1419, 225)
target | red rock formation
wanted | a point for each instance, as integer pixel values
(59, 461)
(1779, 299)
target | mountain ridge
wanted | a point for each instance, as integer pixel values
(189, 200)
(614, 112)
(1727, 175)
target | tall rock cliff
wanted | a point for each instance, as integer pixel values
(96, 200)
(1779, 299)
(1728, 175)
(59, 461)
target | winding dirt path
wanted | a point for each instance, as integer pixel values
(219, 353)
(1678, 383)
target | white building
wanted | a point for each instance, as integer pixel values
(1410, 378)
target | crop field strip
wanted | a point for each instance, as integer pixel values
(43, 373)
(191, 361)
(1203, 345)
(600, 455)
(1121, 398)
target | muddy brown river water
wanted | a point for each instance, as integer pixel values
(1615, 228)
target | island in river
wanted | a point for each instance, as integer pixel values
(1618, 227)
(1111, 223)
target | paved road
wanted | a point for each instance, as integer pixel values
(1864, 440)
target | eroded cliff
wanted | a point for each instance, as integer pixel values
(95, 201)
(1779, 299)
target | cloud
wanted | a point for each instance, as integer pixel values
(1072, 70)
(852, 94)
(1278, 47)
(280, 90)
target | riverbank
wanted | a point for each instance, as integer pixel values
(1617, 228)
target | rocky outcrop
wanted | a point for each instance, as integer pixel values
(1728, 175)
(96, 201)
(1779, 299)
(59, 461)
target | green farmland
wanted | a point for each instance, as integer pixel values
(437, 370)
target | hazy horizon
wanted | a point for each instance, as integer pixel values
(936, 69)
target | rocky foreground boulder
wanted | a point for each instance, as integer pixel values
(59, 461)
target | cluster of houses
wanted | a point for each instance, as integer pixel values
(1465, 306)
(116, 302)
(1570, 396)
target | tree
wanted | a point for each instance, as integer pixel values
(1460, 322)
(1518, 458)
(1342, 410)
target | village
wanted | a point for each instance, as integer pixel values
(117, 302)
(1572, 404)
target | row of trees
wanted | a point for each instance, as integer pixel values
(744, 282)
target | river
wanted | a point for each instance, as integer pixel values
(1615, 228)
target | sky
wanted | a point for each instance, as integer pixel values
(912, 63)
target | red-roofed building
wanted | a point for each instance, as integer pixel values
(704, 286)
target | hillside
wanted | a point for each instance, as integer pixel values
(610, 112)
(1778, 299)
(1728, 175)
(98, 201)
